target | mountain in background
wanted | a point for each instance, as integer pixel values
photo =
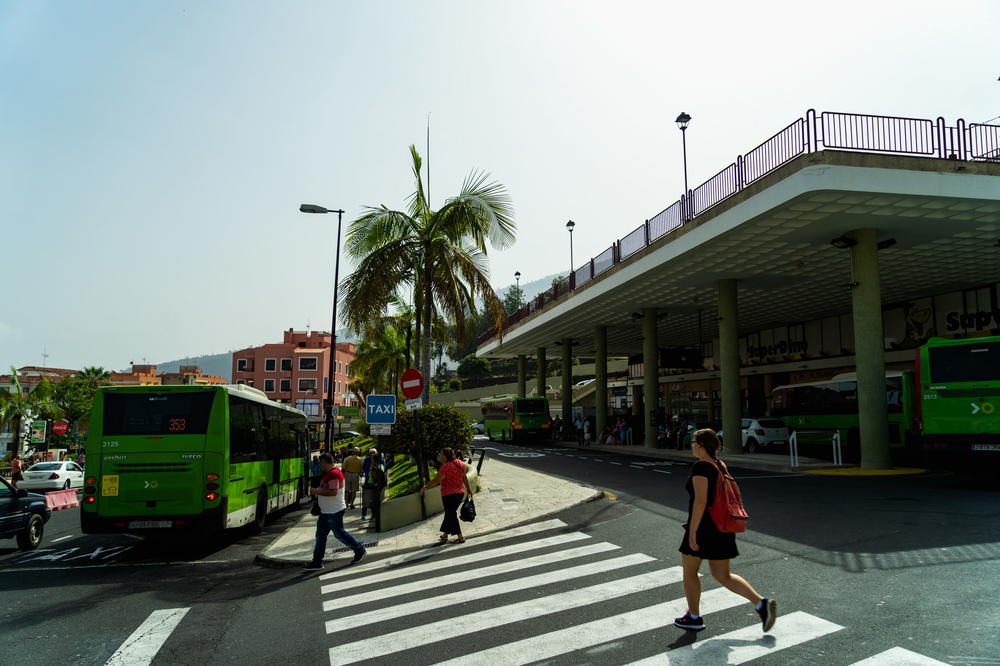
(533, 288)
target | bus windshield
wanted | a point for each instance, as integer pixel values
(978, 362)
(157, 413)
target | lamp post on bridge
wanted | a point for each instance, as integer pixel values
(570, 225)
(682, 122)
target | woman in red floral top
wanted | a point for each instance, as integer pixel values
(454, 484)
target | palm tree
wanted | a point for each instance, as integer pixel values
(379, 361)
(17, 407)
(439, 255)
(94, 377)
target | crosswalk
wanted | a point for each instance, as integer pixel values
(531, 594)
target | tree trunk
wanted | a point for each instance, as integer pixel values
(425, 349)
(409, 340)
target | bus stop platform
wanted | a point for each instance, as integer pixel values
(509, 496)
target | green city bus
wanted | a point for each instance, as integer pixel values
(832, 406)
(200, 458)
(516, 419)
(959, 395)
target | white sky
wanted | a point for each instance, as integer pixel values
(153, 155)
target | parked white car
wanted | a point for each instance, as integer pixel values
(762, 433)
(52, 475)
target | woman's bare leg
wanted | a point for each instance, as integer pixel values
(692, 584)
(731, 581)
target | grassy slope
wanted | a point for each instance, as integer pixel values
(403, 478)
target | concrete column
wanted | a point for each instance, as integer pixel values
(522, 376)
(540, 355)
(601, 378)
(567, 377)
(650, 375)
(866, 303)
(729, 364)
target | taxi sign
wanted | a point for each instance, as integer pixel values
(380, 409)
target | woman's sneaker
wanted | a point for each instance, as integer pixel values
(687, 621)
(767, 613)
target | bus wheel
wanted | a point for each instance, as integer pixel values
(260, 513)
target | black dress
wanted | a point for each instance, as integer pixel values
(712, 544)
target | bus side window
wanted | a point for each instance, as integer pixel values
(245, 433)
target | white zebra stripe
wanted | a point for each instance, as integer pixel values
(441, 582)
(476, 557)
(477, 593)
(743, 645)
(353, 571)
(578, 637)
(371, 647)
(898, 656)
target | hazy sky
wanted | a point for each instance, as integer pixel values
(153, 154)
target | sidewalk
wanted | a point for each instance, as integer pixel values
(509, 495)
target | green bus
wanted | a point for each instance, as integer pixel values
(959, 395)
(191, 458)
(516, 419)
(832, 406)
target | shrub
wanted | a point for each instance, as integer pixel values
(440, 426)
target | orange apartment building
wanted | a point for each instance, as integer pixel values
(295, 371)
(147, 375)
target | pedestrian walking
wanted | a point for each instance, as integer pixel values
(578, 424)
(704, 541)
(16, 469)
(373, 484)
(586, 432)
(352, 467)
(315, 472)
(454, 484)
(330, 495)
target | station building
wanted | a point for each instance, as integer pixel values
(841, 244)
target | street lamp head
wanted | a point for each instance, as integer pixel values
(570, 225)
(517, 275)
(683, 120)
(311, 208)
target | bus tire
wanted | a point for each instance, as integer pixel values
(260, 513)
(31, 535)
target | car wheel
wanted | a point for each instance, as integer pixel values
(67, 485)
(751, 446)
(29, 537)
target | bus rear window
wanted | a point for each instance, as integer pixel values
(157, 413)
(977, 362)
(531, 406)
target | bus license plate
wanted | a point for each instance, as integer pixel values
(109, 485)
(146, 524)
(986, 447)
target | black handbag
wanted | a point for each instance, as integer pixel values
(468, 511)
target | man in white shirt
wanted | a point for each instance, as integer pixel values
(330, 495)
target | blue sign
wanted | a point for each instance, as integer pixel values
(380, 409)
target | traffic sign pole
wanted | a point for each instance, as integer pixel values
(412, 384)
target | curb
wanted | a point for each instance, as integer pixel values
(272, 562)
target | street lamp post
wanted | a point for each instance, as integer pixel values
(570, 225)
(310, 208)
(682, 122)
(517, 279)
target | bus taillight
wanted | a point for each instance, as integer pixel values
(90, 480)
(211, 476)
(90, 490)
(211, 486)
(90, 499)
(211, 496)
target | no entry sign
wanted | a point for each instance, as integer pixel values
(412, 383)
(60, 427)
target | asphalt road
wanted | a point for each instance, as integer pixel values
(859, 566)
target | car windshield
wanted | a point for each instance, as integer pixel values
(45, 466)
(771, 423)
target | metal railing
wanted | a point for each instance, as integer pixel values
(814, 436)
(811, 133)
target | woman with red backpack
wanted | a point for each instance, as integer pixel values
(703, 540)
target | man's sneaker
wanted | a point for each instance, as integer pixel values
(314, 566)
(359, 555)
(767, 612)
(690, 623)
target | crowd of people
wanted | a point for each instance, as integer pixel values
(619, 431)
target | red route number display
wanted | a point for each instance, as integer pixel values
(412, 383)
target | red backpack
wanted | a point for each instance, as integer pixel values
(727, 509)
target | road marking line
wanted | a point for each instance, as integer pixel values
(431, 604)
(371, 647)
(661, 471)
(465, 575)
(474, 558)
(385, 565)
(743, 645)
(69, 536)
(146, 641)
(615, 463)
(578, 637)
(898, 656)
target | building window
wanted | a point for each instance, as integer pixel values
(268, 386)
(286, 365)
(240, 381)
(307, 385)
(243, 365)
(285, 385)
(270, 364)
(307, 363)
